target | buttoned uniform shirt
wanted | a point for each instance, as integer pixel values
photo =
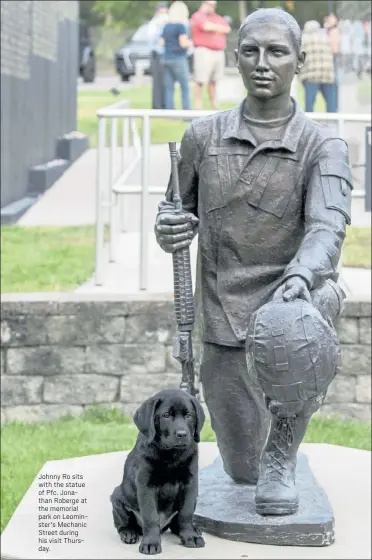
(266, 212)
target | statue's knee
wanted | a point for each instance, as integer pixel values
(297, 408)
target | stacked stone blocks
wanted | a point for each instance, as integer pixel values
(62, 353)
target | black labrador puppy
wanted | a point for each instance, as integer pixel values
(160, 482)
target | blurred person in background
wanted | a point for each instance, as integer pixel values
(156, 26)
(208, 32)
(331, 27)
(367, 43)
(345, 45)
(176, 43)
(357, 47)
(318, 72)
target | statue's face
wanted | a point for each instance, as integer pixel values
(267, 59)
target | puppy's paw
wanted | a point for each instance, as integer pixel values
(192, 538)
(150, 546)
(129, 536)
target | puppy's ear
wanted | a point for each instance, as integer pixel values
(199, 418)
(144, 418)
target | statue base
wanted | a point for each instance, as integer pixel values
(226, 509)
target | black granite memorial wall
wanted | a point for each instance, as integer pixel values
(39, 65)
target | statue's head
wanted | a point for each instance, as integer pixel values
(269, 52)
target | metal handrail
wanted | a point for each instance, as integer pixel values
(110, 194)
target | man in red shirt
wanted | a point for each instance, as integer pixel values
(208, 32)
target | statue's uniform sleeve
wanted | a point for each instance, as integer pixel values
(327, 211)
(188, 172)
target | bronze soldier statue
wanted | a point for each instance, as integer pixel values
(269, 193)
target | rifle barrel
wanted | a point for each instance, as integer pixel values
(183, 293)
(175, 182)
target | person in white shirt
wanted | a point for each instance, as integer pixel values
(367, 44)
(345, 44)
(357, 36)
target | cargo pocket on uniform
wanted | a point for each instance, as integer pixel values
(275, 185)
(214, 179)
(291, 392)
(337, 184)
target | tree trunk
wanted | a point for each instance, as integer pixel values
(242, 10)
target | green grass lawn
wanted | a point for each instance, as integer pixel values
(364, 93)
(45, 259)
(357, 247)
(26, 447)
(51, 259)
(162, 130)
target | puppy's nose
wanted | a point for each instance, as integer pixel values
(181, 434)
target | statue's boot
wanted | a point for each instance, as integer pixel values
(276, 492)
(293, 350)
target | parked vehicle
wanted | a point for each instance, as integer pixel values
(87, 60)
(136, 53)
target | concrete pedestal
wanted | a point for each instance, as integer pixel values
(344, 474)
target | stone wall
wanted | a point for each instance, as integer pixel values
(61, 353)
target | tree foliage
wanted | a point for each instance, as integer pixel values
(125, 13)
(88, 14)
(130, 14)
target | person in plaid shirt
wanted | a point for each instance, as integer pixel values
(318, 72)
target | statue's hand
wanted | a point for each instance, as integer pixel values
(293, 288)
(175, 231)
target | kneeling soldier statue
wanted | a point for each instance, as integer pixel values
(269, 193)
